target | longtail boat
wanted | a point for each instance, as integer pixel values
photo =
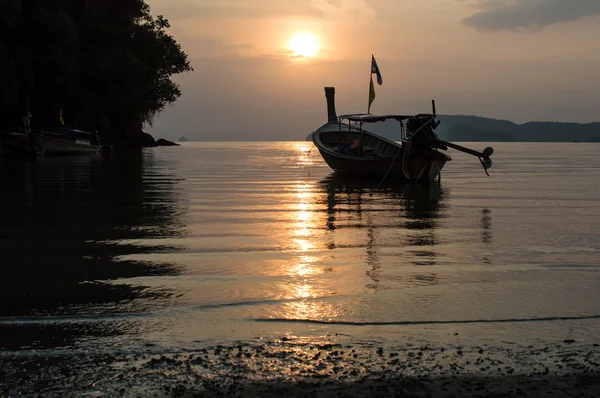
(347, 147)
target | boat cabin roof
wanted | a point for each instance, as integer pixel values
(370, 118)
(63, 130)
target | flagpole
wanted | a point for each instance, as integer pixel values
(28, 124)
(371, 91)
(370, 77)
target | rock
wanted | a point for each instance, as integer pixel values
(147, 140)
(163, 142)
(134, 139)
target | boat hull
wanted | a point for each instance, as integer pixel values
(378, 157)
(52, 146)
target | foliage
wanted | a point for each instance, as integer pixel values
(107, 64)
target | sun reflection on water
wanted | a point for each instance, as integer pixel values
(304, 218)
(339, 218)
(304, 267)
(306, 283)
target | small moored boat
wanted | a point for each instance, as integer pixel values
(63, 141)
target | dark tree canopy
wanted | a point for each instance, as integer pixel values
(107, 64)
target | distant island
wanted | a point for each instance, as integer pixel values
(183, 139)
(477, 128)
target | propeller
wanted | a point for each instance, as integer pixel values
(484, 157)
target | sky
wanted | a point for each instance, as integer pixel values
(520, 60)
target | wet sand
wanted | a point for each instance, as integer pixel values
(295, 368)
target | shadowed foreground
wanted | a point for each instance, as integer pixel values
(293, 368)
(424, 387)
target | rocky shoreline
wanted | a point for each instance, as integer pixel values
(298, 368)
(142, 140)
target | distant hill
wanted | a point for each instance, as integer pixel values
(476, 128)
(467, 132)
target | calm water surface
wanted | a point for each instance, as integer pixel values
(175, 248)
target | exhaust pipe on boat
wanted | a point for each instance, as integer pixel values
(330, 95)
(436, 123)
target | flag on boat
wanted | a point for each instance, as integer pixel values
(375, 69)
(371, 94)
(62, 121)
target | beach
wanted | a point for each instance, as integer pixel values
(297, 368)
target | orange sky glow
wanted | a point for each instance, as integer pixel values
(517, 60)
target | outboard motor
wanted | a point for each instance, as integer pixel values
(420, 130)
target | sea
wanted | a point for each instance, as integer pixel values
(117, 257)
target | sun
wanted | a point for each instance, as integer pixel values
(304, 44)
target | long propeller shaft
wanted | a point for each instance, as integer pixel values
(485, 154)
(484, 157)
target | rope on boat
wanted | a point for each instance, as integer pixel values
(312, 142)
(386, 174)
(405, 160)
(421, 173)
(422, 126)
(404, 166)
(438, 171)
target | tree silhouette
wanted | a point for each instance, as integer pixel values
(107, 64)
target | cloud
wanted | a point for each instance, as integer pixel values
(207, 46)
(231, 9)
(529, 14)
(357, 10)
